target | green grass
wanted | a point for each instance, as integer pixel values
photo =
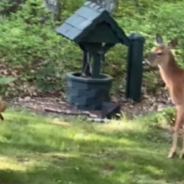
(47, 150)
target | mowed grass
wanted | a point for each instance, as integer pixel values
(46, 150)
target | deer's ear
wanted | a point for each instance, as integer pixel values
(172, 43)
(158, 39)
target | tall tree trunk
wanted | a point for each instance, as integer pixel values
(109, 5)
(54, 6)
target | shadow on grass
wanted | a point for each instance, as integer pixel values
(74, 170)
(86, 155)
(103, 163)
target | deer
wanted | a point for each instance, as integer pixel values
(2, 108)
(173, 76)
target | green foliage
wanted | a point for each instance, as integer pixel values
(170, 24)
(43, 56)
(163, 117)
(4, 81)
(35, 48)
(165, 19)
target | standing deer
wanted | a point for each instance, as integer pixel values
(173, 77)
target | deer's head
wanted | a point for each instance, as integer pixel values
(159, 55)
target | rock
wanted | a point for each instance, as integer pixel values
(27, 98)
(20, 99)
(160, 107)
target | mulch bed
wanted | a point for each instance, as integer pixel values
(129, 108)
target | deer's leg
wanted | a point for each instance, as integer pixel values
(174, 145)
(182, 149)
(178, 123)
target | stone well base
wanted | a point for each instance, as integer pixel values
(87, 93)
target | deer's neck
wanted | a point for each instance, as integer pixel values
(169, 70)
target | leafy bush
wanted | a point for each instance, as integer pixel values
(166, 19)
(43, 57)
(35, 49)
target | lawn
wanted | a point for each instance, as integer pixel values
(48, 150)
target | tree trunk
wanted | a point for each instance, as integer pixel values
(109, 5)
(54, 6)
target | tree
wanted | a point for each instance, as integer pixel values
(109, 5)
(54, 6)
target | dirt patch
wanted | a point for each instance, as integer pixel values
(129, 108)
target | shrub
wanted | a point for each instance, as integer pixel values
(42, 56)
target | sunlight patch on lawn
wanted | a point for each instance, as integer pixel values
(154, 170)
(82, 136)
(121, 125)
(58, 121)
(12, 164)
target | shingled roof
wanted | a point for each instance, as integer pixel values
(85, 19)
